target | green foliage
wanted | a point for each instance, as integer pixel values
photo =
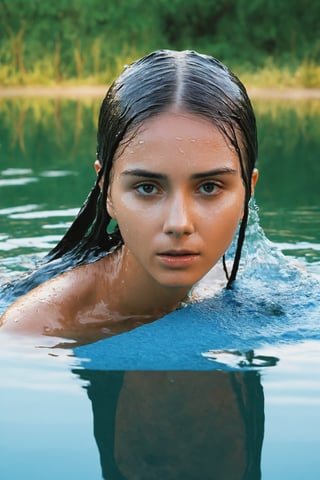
(89, 40)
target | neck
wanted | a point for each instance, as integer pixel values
(135, 293)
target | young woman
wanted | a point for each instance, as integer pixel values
(177, 146)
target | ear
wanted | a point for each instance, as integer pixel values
(97, 167)
(254, 179)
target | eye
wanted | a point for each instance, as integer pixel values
(146, 189)
(208, 188)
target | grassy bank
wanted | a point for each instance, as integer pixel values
(306, 75)
(268, 43)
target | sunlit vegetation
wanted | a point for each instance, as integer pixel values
(267, 42)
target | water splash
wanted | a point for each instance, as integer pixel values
(236, 358)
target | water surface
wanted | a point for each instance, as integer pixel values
(229, 384)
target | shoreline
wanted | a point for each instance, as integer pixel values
(93, 91)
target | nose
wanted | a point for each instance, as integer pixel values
(178, 216)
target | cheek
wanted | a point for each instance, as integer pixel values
(227, 213)
(223, 231)
(135, 223)
(129, 211)
(222, 226)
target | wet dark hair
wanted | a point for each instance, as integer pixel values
(188, 81)
(163, 80)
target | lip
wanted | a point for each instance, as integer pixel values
(178, 258)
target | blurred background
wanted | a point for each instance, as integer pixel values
(267, 42)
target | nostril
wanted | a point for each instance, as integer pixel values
(178, 232)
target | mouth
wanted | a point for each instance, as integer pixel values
(178, 258)
(178, 253)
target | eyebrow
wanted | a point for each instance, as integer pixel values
(137, 172)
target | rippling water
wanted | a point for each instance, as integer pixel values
(225, 375)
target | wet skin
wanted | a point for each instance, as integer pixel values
(177, 194)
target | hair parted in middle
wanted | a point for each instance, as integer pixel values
(164, 80)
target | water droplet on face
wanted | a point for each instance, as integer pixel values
(141, 142)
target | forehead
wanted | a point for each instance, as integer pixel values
(170, 135)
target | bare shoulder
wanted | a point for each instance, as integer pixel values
(48, 305)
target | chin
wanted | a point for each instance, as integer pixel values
(177, 283)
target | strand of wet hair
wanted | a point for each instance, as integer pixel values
(241, 237)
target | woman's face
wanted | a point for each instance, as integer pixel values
(177, 194)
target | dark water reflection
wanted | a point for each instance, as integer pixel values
(63, 420)
(288, 190)
(177, 425)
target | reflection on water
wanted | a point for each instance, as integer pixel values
(177, 425)
(174, 424)
(163, 424)
(289, 141)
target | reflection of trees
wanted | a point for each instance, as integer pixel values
(289, 134)
(292, 122)
(18, 132)
(43, 134)
(55, 129)
(177, 425)
(67, 124)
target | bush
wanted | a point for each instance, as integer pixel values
(90, 40)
